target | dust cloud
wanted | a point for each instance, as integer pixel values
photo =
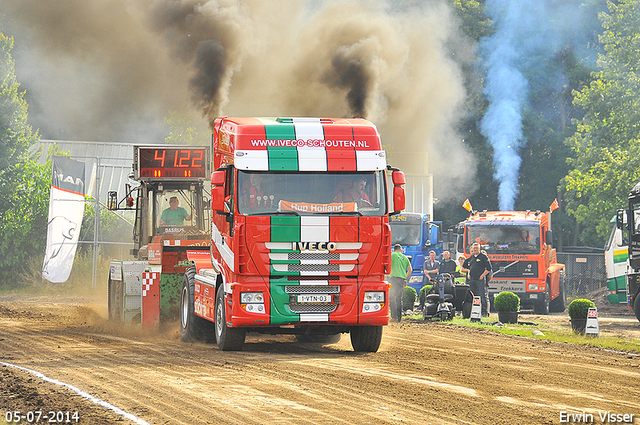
(113, 69)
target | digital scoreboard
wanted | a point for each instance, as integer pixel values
(179, 162)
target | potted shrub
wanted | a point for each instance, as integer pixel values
(507, 304)
(408, 298)
(578, 311)
(422, 296)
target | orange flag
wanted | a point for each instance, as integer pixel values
(467, 205)
(554, 205)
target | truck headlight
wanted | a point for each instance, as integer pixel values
(373, 301)
(533, 287)
(252, 302)
(415, 279)
(370, 297)
(251, 297)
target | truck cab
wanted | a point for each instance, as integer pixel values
(300, 237)
(417, 235)
(519, 245)
(630, 220)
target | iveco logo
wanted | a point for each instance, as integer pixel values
(315, 246)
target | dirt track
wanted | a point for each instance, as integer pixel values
(424, 373)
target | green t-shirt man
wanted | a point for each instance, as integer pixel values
(399, 264)
(174, 215)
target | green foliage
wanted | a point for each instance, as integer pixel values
(473, 20)
(24, 184)
(507, 301)
(184, 131)
(23, 220)
(15, 134)
(578, 309)
(606, 143)
(408, 297)
(422, 296)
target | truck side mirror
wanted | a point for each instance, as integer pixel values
(218, 178)
(217, 198)
(112, 201)
(399, 201)
(217, 191)
(548, 236)
(451, 246)
(618, 238)
(620, 219)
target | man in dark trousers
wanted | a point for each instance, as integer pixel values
(478, 267)
(400, 272)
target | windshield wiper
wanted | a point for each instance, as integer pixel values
(340, 213)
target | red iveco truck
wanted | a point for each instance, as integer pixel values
(300, 239)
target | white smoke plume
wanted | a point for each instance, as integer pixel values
(113, 69)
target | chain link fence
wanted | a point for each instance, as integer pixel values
(584, 272)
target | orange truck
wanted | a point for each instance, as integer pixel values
(300, 236)
(519, 245)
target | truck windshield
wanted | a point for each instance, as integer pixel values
(504, 239)
(305, 193)
(177, 212)
(405, 229)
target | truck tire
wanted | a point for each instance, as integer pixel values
(192, 327)
(636, 306)
(366, 338)
(467, 305)
(542, 307)
(228, 339)
(557, 305)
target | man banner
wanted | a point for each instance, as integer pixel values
(66, 208)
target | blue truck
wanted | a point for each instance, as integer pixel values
(418, 236)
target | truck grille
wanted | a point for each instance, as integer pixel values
(308, 289)
(284, 258)
(313, 308)
(313, 256)
(517, 269)
(312, 267)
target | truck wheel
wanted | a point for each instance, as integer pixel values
(557, 305)
(228, 339)
(542, 307)
(467, 305)
(366, 338)
(192, 327)
(636, 305)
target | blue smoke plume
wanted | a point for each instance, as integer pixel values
(527, 34)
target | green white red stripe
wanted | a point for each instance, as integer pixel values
(310, 144)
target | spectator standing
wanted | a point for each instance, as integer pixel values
(431, 267)
(447, 265)
(478, 267)
(460, 276)
(400, 271)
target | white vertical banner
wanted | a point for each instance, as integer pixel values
(66, 208)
